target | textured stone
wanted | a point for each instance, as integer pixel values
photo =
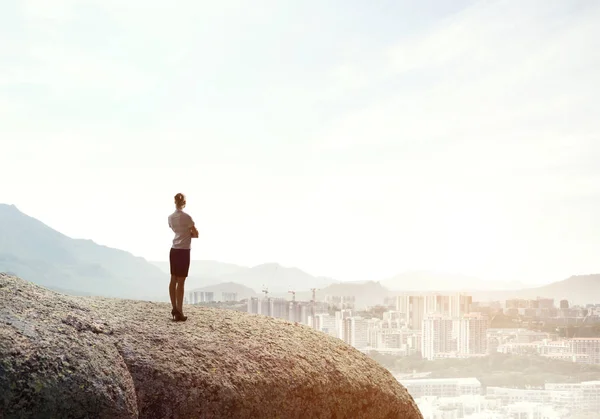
(63, 356)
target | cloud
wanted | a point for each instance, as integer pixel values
(498, 76)
(485, 124)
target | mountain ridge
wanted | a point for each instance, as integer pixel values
(577, 289)
(35, 251)
(275, 276)
(83, 267)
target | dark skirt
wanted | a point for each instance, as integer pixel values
(180, 262)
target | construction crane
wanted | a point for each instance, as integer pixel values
(293, 295)
(314, 291)
(266, 291)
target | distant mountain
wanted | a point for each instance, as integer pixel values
(36, 252)
(242, 291)
(437, 281)
(366, 294)
(204, 272)
(32, 250)
(276, 278)
(578, 289)
(206, 269)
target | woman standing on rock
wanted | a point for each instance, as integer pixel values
(179, 258)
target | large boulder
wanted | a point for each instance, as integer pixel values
(63, 356)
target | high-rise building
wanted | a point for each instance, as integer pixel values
(393, 320)
(294, 311)
(391, 339)
(229, 296)
(264, 306)
(356, 332)
(196, 297)
(414, 340)
(298, 312)
(326, 324)
(340, 316)
(587, 346)
(341, 301)
(206, 297)
(587, 394)
(460, 305)
(416, 307)
(253, 304)
(279, 308)
(402, 303)
(545, 303)
(193, 297)
(442, 387)
(302, 314)
(416, 311)
(473, 334)
(443, 305)
(429, 304)
(438, 336)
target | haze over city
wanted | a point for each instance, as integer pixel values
(352, 140)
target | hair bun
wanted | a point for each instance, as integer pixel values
(179, 199)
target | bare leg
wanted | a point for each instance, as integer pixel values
(172, 291)
(180, 293)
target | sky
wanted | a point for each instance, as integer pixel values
(351, 139)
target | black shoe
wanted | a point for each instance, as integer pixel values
(179, 317)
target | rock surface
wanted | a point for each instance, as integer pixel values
(63, 356)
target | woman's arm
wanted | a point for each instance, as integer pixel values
(192, 225)
(194, 232)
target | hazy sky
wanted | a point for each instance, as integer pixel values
(353, 139)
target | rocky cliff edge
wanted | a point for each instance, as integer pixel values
(63, 357)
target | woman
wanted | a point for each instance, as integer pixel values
(179, 258)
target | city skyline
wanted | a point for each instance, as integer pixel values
(439, 337)
(443, 325)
